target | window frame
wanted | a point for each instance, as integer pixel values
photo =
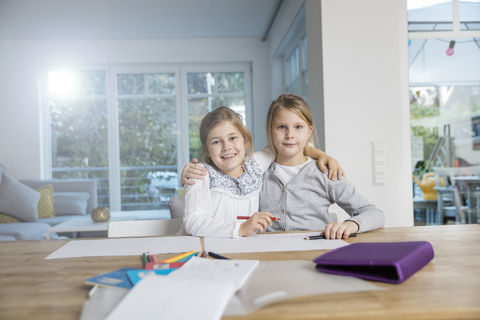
(455, 33)
(301, 65)
(230, 67)
(112, 71)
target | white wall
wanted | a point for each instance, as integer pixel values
(358, 92)
(365, 76)
(20, 127)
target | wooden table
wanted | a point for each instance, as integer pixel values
(447, 288)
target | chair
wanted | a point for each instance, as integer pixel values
(144, 228)
(176, 205)
(449, 199)
(466, 191)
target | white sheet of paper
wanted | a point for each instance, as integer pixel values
(274, 281)
(270, 243)
(126, 247)
(161, 297)
(236, 271)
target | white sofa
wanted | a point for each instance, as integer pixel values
(37, 230)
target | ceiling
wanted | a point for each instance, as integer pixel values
(134, 19)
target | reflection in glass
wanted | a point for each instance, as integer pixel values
(434, 107)
(200, 83)
(148, 152)
(230, 82)
(161, 83)
(131, 84)
(197, 109)
(79, 129)
(208, 91)
(92, 83)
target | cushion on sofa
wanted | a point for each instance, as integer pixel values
(17, 200)
(45, 205)
(70, 203)
(5, 218)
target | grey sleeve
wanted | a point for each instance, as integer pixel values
(364, 213)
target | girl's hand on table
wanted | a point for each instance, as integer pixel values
(340, 230)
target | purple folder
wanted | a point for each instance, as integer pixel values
(392, 262)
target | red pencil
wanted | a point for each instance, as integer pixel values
(247, 217)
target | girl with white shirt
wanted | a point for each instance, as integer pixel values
(232, 184)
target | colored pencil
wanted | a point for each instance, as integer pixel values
(145, 260)
(217, 256)
(247, 217)
(176, 258)
(323, 237)
(188, 257)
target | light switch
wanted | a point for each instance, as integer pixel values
(378, 163)
(379, 180)
(378, 157)
(378, 167)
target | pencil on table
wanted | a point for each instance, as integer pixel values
(176, 258)
(188, 257)
(145, 260)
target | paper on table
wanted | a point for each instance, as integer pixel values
(236, 271)
(160, 297)
(126, 247)
(273, 281)
(270, 243)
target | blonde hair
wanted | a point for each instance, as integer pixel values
(219, 116)
(294, 104)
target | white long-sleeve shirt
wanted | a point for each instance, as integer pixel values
(213, 204)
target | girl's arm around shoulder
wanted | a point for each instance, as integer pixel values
(264, 158)
(192, 171)
(325, 161)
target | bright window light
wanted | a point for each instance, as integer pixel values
(61, 83)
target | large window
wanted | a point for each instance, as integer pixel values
(208, 91)
(133, 128)
(293, 53)
(147, 113)
(296, 77)
(77, 102)
(444, 72)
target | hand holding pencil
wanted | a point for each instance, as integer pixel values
(259, 221)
